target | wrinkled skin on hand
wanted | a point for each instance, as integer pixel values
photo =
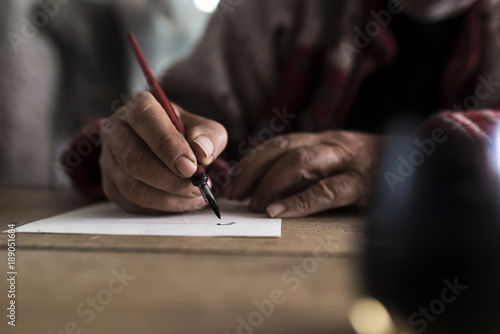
(301, 174)
(146, 163)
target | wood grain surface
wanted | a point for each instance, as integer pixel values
(302, 282)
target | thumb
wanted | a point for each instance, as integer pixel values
(207, 138)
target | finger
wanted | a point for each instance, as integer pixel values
(148, 197)
(138, 161)
(130, 190)
(253, 166)
(113, 194)
(207, 138)
(110, 190)
(334, 192)
(150, 121)
(296, 170)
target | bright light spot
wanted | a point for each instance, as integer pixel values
(497, 150)
(369, 316)
(207, 6)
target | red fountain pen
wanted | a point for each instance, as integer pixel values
(200, 178)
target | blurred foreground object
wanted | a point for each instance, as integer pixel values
(433, 252)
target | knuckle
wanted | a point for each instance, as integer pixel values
(141, 116)
(141, 111)
(337, 157)
(303, 203)
(303, 155)
(281, 142)
(327, 190)
(346, 154)
(296, 165)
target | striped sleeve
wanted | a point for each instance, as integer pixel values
(480, 127)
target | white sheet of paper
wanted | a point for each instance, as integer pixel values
(108, 218)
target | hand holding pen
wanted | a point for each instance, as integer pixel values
(146, 162)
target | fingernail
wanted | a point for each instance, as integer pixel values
(275, 209)
(185, 166)
(206, 145)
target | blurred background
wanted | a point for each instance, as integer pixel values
(59, 59)
(65, 62)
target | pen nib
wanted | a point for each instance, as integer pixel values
(209, 199)
(213, 205)
(216, 210)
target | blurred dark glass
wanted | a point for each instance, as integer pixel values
(433, 249)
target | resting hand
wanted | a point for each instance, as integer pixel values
(300, 174)
(146, 163)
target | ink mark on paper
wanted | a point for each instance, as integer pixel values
(226, 224)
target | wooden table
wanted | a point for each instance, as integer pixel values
(302, 282)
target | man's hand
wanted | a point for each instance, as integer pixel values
(300, 174)
(146, 163)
